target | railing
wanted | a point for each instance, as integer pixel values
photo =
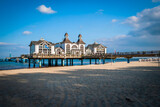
(93, 55)
(136, 53)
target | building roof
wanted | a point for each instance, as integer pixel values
(80, 41)
(94, 45)
(40, 41)
(66, 40)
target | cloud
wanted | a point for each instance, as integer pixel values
(144, 35)
(155, 0)
(100, 11)
(6, 44)
(114, 20)
(145, 23)
(23, 47)
(27, 32)
(125, 43)
(44, 9)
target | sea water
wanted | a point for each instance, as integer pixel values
(19, 65)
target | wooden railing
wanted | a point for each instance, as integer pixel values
(108, 55)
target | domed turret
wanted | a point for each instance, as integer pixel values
(66, 40)
(80, 41)
(66, 35)
(79, 36)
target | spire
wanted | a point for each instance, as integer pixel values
(66, 40)
(66, 35)
(79, 36)
(80, 41)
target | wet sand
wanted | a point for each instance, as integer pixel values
(108, 85)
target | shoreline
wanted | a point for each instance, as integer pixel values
(109, 65)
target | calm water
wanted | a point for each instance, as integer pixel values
(15, 65)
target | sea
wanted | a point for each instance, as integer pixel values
(7, 65)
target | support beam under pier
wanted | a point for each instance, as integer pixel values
(62, 62)
(72, 62)
(56, 62)
(29, 62)
(40, 63)
(128, 60)
(66, 62)
(34, 62)
(43, 62)
(95, 61)
(99, 61)
(81, 61)
(104, 61)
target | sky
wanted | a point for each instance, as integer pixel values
(121, 25)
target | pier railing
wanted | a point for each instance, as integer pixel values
(136, 53)
(107, 55)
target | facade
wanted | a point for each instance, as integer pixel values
(71, 48)
(66, 47)
(41, 47)
(96, 48)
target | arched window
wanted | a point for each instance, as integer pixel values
(68, 49)
(74, 47)
(82, 48)
(59, 51)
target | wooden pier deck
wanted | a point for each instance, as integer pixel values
(98, 57)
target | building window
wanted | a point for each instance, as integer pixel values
(82, 48)
(40, 46)
(74, 47)
(68, 49)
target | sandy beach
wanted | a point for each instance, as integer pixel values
(108, 85)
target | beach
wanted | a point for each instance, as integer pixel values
(105, 85)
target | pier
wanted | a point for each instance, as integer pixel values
(97, 57)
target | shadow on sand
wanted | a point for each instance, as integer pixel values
(133, 86)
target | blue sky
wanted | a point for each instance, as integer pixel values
(124, 25)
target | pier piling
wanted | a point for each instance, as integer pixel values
(62, 62)
(81, 61)
(72, 62)
(40, 63)
(104, 61)
(95, 61)
(29, 63)
(128, 60)
(56, 62)
(34, 62)
(66, 62)
(43, 62)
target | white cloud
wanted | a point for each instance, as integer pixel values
(130, 43)
(155, 0)
(146, 22)
(27, 32)
(4, 43)
(23, 47)
(114, 20)
(44, 9)
(145, 34)
(100, 11)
